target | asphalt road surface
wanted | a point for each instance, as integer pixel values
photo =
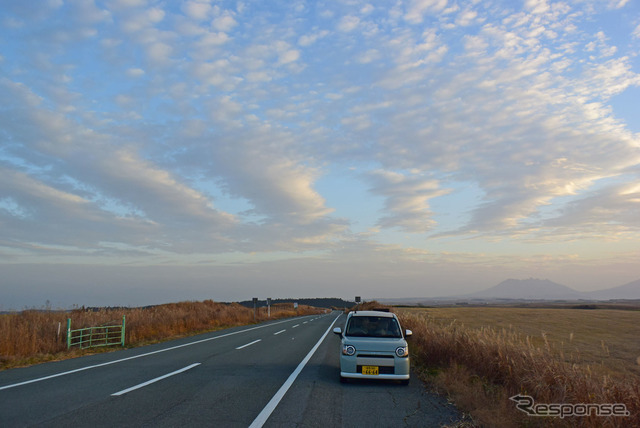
(276, 374)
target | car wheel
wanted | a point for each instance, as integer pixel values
(404, 382)
(344, 380)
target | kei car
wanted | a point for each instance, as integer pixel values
(373, 346)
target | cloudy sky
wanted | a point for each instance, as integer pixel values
(154, 151)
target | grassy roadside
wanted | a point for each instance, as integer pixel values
(32, 336)
(480, 367)
(604, 341)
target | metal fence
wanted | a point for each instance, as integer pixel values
(91, 337)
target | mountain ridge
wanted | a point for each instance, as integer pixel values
(630, 290)
(537, 289)
(530, 289)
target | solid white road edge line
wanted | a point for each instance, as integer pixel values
(138, 356)
(249, 344)
(149, 382)
(275, 400)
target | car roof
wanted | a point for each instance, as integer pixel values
(371, 314)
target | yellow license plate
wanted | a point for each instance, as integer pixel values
(370, 370)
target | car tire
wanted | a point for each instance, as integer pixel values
(344, 379)
(405, 382)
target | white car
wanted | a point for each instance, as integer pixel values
(373, 347)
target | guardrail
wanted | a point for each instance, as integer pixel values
(91, 337)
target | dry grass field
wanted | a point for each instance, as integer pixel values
(481, 356)
(34, 336)
(606, 341)
(478, 356)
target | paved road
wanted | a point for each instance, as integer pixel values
(276, 374)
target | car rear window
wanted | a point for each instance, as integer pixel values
(373, 327)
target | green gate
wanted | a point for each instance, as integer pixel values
(91, 337)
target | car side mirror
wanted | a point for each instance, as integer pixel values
(407, 333)
(338, 331)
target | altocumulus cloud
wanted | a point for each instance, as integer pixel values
(194, 132)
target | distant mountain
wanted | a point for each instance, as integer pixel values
(528, 289)
(627, 291)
